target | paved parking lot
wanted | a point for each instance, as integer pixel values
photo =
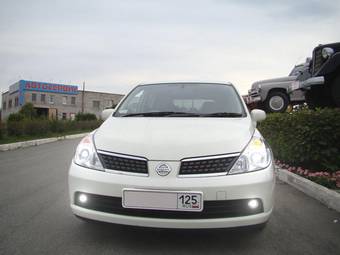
(35, 218)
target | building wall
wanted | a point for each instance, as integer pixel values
(61, 107)
(57, 103)
(10, 104)
(105, 100)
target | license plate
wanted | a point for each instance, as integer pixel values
(163, 200)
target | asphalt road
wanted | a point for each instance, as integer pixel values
(35, 218)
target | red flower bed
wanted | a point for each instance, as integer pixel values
(329, 180)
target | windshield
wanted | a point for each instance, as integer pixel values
(296, 70)
(182, 100)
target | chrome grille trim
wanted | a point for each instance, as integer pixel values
(211, 157)
(121, 155)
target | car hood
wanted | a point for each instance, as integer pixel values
(173, 138)
(274, 80)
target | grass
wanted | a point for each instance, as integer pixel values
(13, 139)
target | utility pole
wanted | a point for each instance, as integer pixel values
(83, 98)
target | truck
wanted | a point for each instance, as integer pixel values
(322, 88)
(272, 95)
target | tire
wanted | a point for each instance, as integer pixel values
(318, 97)
(276, 101)
(335, 88)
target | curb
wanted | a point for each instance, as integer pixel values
(326, 196)
(14, 146)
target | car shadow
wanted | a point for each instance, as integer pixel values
(154, 240)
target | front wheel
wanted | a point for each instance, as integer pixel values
(276, 101)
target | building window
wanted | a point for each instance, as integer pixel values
(43, 98)
(4, 105)
(72, 116)
(16, 102)
(96, 104)
(51, 99)
(64, 100)
(109, 103)
(34, 97)
(73, 100)
(64, 116)
(10, 103)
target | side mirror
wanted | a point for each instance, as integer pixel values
(258, 115)
(107, 113)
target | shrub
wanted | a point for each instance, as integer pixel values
(57, 126)
(88, 125)
(36, 127)
(28, 111)
(85, 116)
(15, 128)
(1, 130)
(15, 117)
(305, 138)
(70, 125)
(329, 180)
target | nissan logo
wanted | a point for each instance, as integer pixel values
(163, 169)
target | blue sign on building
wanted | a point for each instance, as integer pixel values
(45, 87)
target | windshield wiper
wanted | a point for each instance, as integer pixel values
(162, 114)
(183, 114)
(223, 114)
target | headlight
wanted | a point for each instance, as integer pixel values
(86, 154)
(256, 156)
(327, 52)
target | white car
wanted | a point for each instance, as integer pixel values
(175, 155)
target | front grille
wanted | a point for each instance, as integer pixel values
(254, 92)
(207, 166)
(318, 60)
(124, 164)
(211, 209)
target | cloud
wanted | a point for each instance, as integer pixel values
(114, 45)
(302, 9)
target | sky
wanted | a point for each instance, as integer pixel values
(116, 45)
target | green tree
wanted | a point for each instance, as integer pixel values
(28, 111)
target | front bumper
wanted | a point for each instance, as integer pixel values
(259, 184)
(254, 96)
